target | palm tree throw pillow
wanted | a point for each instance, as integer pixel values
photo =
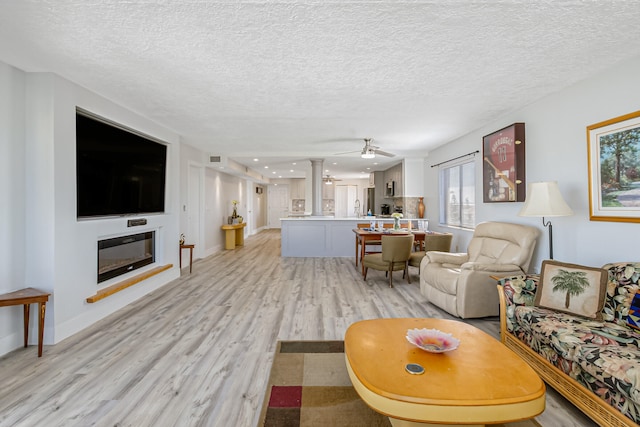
(572, 288)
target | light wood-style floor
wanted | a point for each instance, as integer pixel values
(198, 351)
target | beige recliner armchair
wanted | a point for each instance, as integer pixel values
(460, 283)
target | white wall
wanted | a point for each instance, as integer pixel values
(189, 157)
(12, 200)
(556, 149)
(50, 249)
(219, 189)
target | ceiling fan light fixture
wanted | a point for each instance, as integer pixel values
(368, 153)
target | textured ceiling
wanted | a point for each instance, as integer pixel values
(282, 80)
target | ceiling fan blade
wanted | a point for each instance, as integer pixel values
(347, 152)
(384, 153)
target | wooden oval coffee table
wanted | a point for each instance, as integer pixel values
(480, 382)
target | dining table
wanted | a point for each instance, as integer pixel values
(366, 234)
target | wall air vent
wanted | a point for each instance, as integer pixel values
(216, 160)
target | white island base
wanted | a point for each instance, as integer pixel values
(321, 236)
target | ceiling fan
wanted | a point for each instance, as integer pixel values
(369, 151)
(329, 180)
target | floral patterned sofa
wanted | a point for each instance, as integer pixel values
(594, 364)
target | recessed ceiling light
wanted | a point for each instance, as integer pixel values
(274, 172)
(294, 163)
(266, 167)
(255, 160)
(368, 168)
(335, 163)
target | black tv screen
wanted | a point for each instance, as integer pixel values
(118, 171)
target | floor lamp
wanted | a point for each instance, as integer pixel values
(544, 199)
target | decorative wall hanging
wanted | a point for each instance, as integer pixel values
(503, 170)
(613, 148)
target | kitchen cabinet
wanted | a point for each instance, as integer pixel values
(408, 178)
(328, 191)
(372, 180)
(395, 174)
(297, 190)
(399, 183)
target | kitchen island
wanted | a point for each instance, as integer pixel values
(320, 236)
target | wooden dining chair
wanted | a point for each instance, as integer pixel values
(396, 250)
(373, 244)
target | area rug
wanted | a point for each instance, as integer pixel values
(309, 386)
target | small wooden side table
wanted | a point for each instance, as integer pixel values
(26, 297)
(190, 247)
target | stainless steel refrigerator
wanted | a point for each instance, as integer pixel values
(371, 200)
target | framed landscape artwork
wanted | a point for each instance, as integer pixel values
(614, 169)
(503, 170)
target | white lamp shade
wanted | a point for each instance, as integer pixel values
(544, 199)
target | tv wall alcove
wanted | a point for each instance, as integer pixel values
(120, 172)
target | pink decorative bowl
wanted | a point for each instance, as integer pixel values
(432, 340)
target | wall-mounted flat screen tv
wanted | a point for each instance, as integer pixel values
(118, 171)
